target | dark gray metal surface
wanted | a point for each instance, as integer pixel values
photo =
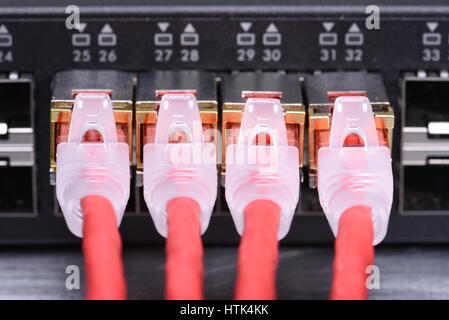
(233, 85)
(234, 7)
(390, 51)
(304, 272)
(120, 83)
(203, 82)
(319, 85)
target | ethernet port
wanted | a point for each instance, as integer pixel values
(151, 86)
(16, 190)
(425, 100)
(426, 189)
(119, 85)
(17, 194)
(425, 141)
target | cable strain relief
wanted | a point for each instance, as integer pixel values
(70, 195)
(241, 196)
(345, 198)
(157, 197)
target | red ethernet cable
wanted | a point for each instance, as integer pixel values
(102, 249)
(355, 186)
(258, 252)
(262, 191)
(92, 187)
(180, 187)
(354, 252)
(184, 265)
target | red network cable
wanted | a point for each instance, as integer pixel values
(258, 252)
(184, 262)
(354, 251)
(102, 249)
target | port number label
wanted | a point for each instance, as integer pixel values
(353, 55)
(271, 55)
(81, 55)
(190, 55)
(328, 55)
(245, 55)
(431, 55)
(162, 55)
(5, 56)
(107, 56)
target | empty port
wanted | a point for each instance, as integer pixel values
(425, 98)
(16, 190)
(17, 193)
(425, 144)
(426, 189)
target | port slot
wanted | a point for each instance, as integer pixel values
(425, 143)
(425, 189)
(425, 96)
(66, 85)
(322, 89)
(152, 86)
(16, 190)
(17, 187)
(237, 87)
